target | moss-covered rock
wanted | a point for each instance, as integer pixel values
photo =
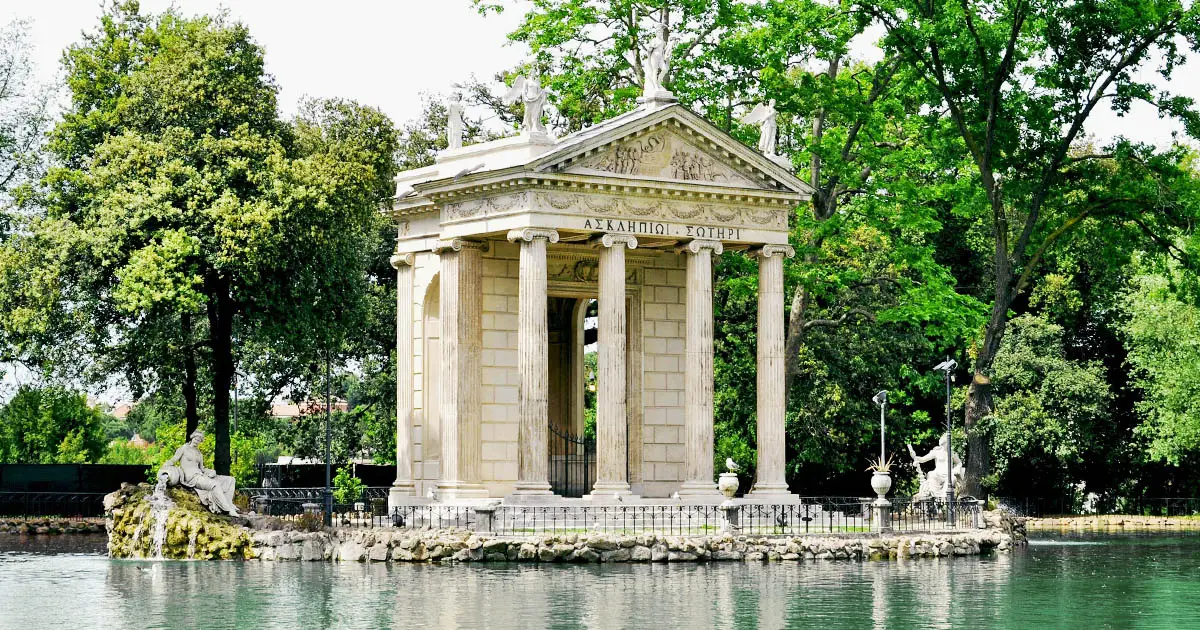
(192, 531)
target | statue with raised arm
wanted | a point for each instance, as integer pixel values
(186, 468)
(764, 116)
(933, 483)
(529, 90)
(454, 122)
(655, 66)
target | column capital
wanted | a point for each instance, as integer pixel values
(530, 233)
(399, 259)
(767, 251)
(695, 246)
(459, 244)
(609, 240)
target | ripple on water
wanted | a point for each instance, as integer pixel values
(1130, 582)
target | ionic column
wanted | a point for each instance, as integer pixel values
(771, 486)
(533, 363)
(698, 371)
(612, 422)
(462, 371)
(403, 486)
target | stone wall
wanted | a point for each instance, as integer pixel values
(1112, 522)
(52, 526)
(458, 545)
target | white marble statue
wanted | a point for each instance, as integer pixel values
(764, 116)
(933, 483)
(454, 122)
(655, 66)
(529, 91)
(186, 468)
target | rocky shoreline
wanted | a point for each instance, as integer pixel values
(1113, 522)
(459, 545)
(51, 526)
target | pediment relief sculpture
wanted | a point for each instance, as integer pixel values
(662, 155)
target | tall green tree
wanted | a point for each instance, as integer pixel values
(50, 425)
(182, 213)
(1014, 85)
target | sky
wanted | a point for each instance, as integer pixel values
(379, 53)
(387, 53)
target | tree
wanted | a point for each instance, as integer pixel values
(1163, 336)
(24, 112)
(50, 425)
(1014, 85)
(1051, 414)
(181, 213)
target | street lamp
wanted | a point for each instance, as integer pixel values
(328, 440)
(881, 400)
(947, 368)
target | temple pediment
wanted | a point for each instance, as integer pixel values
(670, 144)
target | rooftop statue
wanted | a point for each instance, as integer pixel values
(764, 116)
(529, 91)
(454, 122)
(655, 66)
(933, 484)
(186, 468)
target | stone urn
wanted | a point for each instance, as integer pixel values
(881, 482)
(728, 484)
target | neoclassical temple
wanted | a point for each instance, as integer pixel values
(502, 246)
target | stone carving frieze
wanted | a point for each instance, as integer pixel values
(666, 210)
(572, 267)
(483, 206)
(663, 155)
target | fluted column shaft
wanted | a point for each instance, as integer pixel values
(698, 371)
(462, 370)
(772, 391)
(612, 420)
(533, 362)
(403, 264)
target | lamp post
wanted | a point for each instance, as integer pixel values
(328, 440)
(947, 368)
(881, 400)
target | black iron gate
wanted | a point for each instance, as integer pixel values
(572, 463)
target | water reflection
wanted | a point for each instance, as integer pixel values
(1127, 583)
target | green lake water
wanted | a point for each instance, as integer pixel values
(1073, 582)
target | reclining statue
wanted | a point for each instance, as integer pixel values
(933, 483)
(186, 468)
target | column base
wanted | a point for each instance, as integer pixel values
(771, 494)
(401, 493)
(398, 500)
(700, 492)
(454, 490)
(532, 493)
(610, 490)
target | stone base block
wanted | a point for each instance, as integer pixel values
(533, 498)
(447, 493)
(771, 496)
(700, 493)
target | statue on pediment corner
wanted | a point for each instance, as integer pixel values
(529, 91)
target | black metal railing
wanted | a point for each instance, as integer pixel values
(680, 520)
(61, 504)
(572, 464)
(811, 516)
(908, 515)
(311, 493)
(1099, 505)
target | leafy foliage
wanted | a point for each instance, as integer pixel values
(50, 425)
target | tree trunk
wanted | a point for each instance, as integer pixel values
(190, 406)
(220, 325)
(979, 392)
